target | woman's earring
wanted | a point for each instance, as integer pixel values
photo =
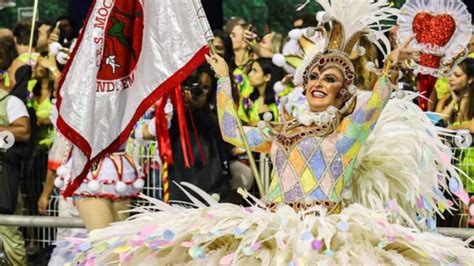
(341, 93)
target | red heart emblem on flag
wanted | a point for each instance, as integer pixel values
(433, 30)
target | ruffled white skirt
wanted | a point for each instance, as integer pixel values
(116, 177)
(227, 234)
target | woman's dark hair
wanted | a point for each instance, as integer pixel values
(8, 51)
(192, 83)
(467, 66)
(22, 31)
(206, 68)
(37, 89)
(227, 41)
(229, 59)
(276, 74)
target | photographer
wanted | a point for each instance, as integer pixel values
(14, 118)
(208, 171)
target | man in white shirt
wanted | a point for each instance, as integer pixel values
(17, 121)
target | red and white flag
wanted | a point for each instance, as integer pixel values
(130, 53)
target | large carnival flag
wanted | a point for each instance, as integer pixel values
(130, 53)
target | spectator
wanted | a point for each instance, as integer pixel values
(46, 73)
(232, 22)
(8, 51)
(66, 30)
(456, 107)
(240, 45)
(262, 76)
(270, 44)
(243, 63)
(44, 31)
(42, 139)
(15, 119)
(22, 32)
(442, 84)
(223, 45)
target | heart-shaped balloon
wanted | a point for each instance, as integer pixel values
(436, 30)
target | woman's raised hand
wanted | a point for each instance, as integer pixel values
(404, 52)
(218, 64)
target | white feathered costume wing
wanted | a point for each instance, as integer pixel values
(404, 162)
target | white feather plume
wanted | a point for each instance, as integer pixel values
(358, 15)
(355, 15)
(404, 160)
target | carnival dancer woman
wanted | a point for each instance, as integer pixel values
(107, 190)
(338, 194)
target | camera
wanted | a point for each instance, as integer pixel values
(195, 89)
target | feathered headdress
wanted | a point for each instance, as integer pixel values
(351, 20)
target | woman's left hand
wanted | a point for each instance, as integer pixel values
(218, 64)
(404, 52)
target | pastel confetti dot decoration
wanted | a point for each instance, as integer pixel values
(196, 253)
(168, 235)
(393, 206)
(115, 244)
(227, 260)
(112, 240)
(293, 263)
(148, 230)
(342, 226)
(316, 244)
(306, 236)
(90, 262)
(256, 246)
(137, 242)
(84, 246)
(216, 232)
(100, 248)
(247, 251)
(462, 195)
(390, 239)
(187, 244)
(238, 232)
(122, 249)
(124, 257)
(454, 185)
(431, 223)
(329, 253)
(382, 244)
(427, 204)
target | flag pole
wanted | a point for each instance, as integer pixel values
(240, 127)
(32, 32)
(209, 37)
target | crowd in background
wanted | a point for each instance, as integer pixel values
(30, 81)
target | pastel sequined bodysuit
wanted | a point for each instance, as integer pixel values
(307, 168)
